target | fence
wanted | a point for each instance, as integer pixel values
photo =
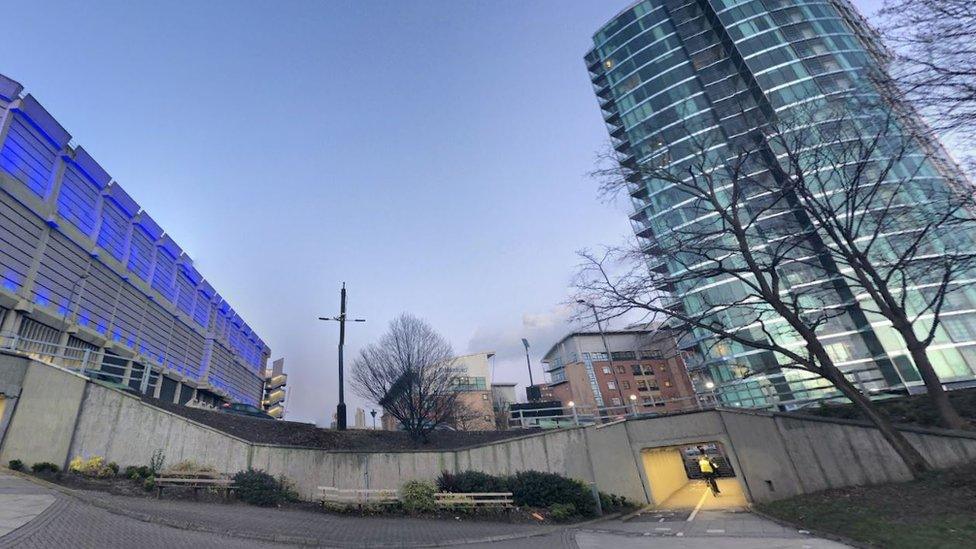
(86, 361)
(806, 390)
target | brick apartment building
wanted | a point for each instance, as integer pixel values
(646, 371)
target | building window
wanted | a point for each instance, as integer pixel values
(621, 370)
(616, 401)
(636, 368)
(611, 385)
(641, 385)
(606, 370)
(625, 384)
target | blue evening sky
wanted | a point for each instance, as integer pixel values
(433, 155)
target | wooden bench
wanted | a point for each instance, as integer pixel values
(196, 481)
(352, 496)
(483, 499)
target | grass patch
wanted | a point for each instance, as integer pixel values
(937, 510)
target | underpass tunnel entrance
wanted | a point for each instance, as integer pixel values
(677, 480)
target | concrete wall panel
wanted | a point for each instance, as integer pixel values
(43, 421)
(761, 456)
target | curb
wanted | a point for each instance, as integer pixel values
(819, 533)
(281, 538)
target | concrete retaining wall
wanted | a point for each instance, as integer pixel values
(124, 429)
(59, 414)
(43, 421)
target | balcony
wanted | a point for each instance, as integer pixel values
(275, 382)
(274, 397)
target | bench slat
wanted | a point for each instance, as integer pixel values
(193, 481)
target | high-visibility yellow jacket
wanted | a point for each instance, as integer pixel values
(705, 465)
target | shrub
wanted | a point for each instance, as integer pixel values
(114, 467)
(259, 488)
(92, 467)
(612, 503)
(156, 461)
(148, 484)
(471, 481)
(188, 466)
(417, 496)
(536, 489)
(561, 512)
(16, 465)
(45, 467)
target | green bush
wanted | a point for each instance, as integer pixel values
(417, 496)
(45, 467)
(612, 503)
(467, 482)
(259, 488)
(537, 489)
(114, 467)
(561, 512)
(149, 484)
(135, 472)
(16, 465)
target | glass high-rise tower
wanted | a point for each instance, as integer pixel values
(665, 69)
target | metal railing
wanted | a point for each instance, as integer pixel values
(85, 361)
(805, 390)
(576, 415)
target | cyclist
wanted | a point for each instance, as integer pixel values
(707, 466)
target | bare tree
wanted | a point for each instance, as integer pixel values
(734, 265)
(896, 216)
(411, 373)
(934, 42)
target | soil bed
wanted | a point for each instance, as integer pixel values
(122, 486)
(291, 433)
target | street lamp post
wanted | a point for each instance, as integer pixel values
(528, 363)
(373, 413)
(606, 348)
(341, 319)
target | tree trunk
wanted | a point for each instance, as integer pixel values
(914, 460)
(933, 385)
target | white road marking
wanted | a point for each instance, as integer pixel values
(715, 531)
(663, 529)
(698, 507)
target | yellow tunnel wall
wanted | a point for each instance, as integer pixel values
(665, 472)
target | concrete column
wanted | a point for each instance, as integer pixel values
(127, 373)
(50, 210)
(27, 288)
(5, 121)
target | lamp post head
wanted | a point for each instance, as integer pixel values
(633, 397)
(571, 404)
(709, 385)
(525, 342)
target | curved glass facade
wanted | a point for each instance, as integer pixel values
(666, 70)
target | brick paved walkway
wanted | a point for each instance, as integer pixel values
(99, 520)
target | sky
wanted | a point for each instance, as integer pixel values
(433, 155)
